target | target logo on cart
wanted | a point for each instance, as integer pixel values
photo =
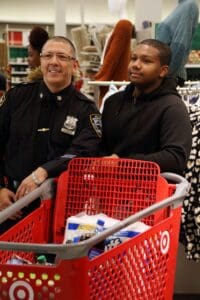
(164, 242)
(21, 290)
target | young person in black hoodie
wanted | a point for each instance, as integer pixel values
(148, 120)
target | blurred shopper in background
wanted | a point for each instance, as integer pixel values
(37, 38)
(177, 30)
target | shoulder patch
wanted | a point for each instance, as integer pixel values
(2, 100)
(96, 123)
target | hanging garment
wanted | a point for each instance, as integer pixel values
(190, 224)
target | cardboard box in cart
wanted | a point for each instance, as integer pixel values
(141, 268)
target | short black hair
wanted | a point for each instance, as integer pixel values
(164, 50)
(64, 39)
(38, 37)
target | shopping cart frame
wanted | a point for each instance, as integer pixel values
(76, 255)
(71, 251)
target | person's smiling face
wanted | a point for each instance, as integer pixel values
(58, 64)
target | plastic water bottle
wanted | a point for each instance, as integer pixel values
(76, 239)
(41, 260)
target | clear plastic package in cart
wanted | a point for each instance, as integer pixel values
(84, 226)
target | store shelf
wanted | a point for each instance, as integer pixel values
(192, 66)
(193, 72)
(12, 63)
(17, 41)
(17, 46)
(19, 73)
(89, 53)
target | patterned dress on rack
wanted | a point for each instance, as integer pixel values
(190, 225)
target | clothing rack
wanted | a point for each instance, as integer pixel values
(189, 82)
(190, 92)
(190, 88)
(97, 84)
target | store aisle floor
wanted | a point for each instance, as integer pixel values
(186, 297)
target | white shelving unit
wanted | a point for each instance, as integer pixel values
(19, 72)
(17, 52)
(18, 68)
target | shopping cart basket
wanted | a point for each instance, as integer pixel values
(140, 268)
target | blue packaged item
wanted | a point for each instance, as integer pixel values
(125, 234)
(99, 226)
(85, 226)
(94, 252)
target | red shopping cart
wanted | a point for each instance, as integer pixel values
(140, 268)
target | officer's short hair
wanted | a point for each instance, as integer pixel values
(63, 39)
(164, 50)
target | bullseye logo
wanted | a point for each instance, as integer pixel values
(164, 242)
(21, 290)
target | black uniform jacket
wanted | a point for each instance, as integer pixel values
(37, 128)
(154, 127)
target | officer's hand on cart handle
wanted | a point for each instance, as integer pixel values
(7, 197)
(31, 182)
(39, 175)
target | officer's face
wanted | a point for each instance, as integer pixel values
(57, 65)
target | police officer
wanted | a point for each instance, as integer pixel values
(44, 123)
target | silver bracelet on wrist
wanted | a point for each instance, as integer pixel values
(35, 178)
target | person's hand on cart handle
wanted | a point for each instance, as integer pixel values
(112, 162)
(7, 198)
(112, 156)
(31, 182)
(109, 161)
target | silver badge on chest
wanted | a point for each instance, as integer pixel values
(69, 126)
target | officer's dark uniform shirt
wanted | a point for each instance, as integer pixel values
(37, 128)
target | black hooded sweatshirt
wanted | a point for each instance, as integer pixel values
(153, 127)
